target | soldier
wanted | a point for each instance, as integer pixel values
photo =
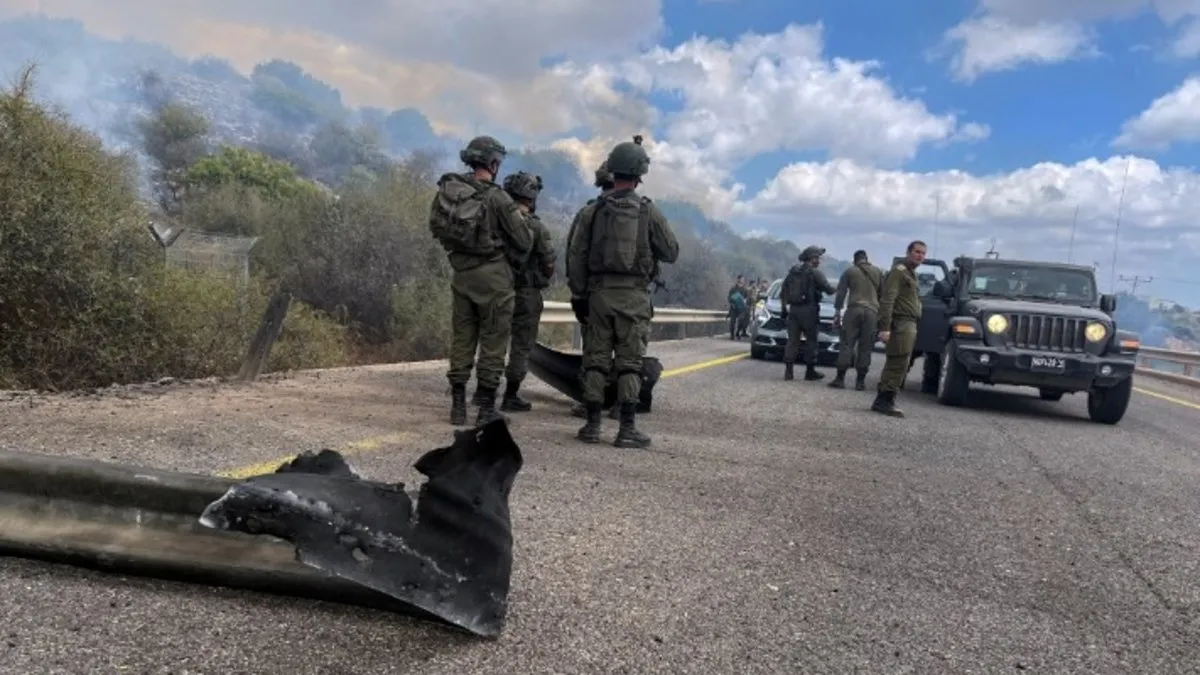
(529, 281)
(604, 181)
(612, 261)
(899, 317)
(862, 282)
(485, 236)
(800, 307)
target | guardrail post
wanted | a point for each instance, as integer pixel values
(264, 339)
(1187, 370)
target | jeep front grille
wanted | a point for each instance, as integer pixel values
(1047, 333)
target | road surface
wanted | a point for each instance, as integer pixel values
(775, 527)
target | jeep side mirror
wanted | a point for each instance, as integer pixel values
(943, 290)
(1108, 303)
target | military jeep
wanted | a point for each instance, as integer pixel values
(1023, 323)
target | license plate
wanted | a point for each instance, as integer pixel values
(1047, 363)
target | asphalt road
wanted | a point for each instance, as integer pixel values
(774, 527)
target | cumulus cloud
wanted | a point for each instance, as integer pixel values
(563, 73)
(1007, 34)
(1173, 117)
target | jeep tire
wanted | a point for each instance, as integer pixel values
(1108, 405)
(931, 370)
(953, 379)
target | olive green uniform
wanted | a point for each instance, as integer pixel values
(899, 313)
(481, 287)
(482, 295)
(527, 309)
(862, 283)
(611, 267)
(803, 315)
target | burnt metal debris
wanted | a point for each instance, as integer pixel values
(561, 371)
(450, 555)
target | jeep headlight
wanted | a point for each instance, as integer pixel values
(996, 323)
(1095, 331)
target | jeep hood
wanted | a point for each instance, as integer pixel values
(1000, 305)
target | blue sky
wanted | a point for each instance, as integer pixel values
(999, 118)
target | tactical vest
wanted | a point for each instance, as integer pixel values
(620, 242)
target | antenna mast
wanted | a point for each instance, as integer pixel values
(992, 252)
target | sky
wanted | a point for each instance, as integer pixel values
(850, 124)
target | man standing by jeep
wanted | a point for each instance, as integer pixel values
(529, 281)
(899, 317)
(800, 307)
(862, 281)
(612, 258)
(485, 237)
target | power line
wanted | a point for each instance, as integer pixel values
(1134, 282)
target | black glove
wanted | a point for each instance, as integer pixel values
(579, 305)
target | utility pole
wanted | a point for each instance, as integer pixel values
(1071, 248)
(1134, 282)
(1112, 280)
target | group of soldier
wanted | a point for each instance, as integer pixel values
(876, 304)
(502, 258)
(743, 296)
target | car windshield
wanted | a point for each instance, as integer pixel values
(773, 291)
(1050, 284)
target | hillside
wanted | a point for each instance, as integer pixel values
(282, 111)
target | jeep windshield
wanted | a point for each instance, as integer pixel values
(1040, 283)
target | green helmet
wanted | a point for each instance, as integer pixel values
(811, 252)
(629, 158)
(604, 177)
(483, 150)
(523, 185)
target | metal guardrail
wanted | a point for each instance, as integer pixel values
(560, 312)
(1187, 363)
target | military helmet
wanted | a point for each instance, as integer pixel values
(483, 150)
(523, 185)
(604, 177)
(811, 252)
(629, 158)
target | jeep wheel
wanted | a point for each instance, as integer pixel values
(932, 369)
(953, 381)
(1050, 394)
(1108, 406)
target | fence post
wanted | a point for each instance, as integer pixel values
(264, 339)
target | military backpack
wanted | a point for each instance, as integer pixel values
(799, 286)
(620, 242)
(459, 219)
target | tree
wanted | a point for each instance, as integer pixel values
(174, 137)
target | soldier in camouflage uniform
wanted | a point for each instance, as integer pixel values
(899, 317)
(604, 181)
(612, 256)
(530, 279)
(485, 236)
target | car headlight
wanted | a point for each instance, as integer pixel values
(996, 323)
(761, 314)
(1095, 331)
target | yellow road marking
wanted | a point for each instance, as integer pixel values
(376, 442)
(355, 448)
(1169, 399)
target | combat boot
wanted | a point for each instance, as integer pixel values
(839, 380)
(590, 432)
(487, 407)
(860, 382)
(512, 402)
(579, 410)
(787, 371)
(628, 435)
(458, 404)
(811, 374)
(885, 403)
